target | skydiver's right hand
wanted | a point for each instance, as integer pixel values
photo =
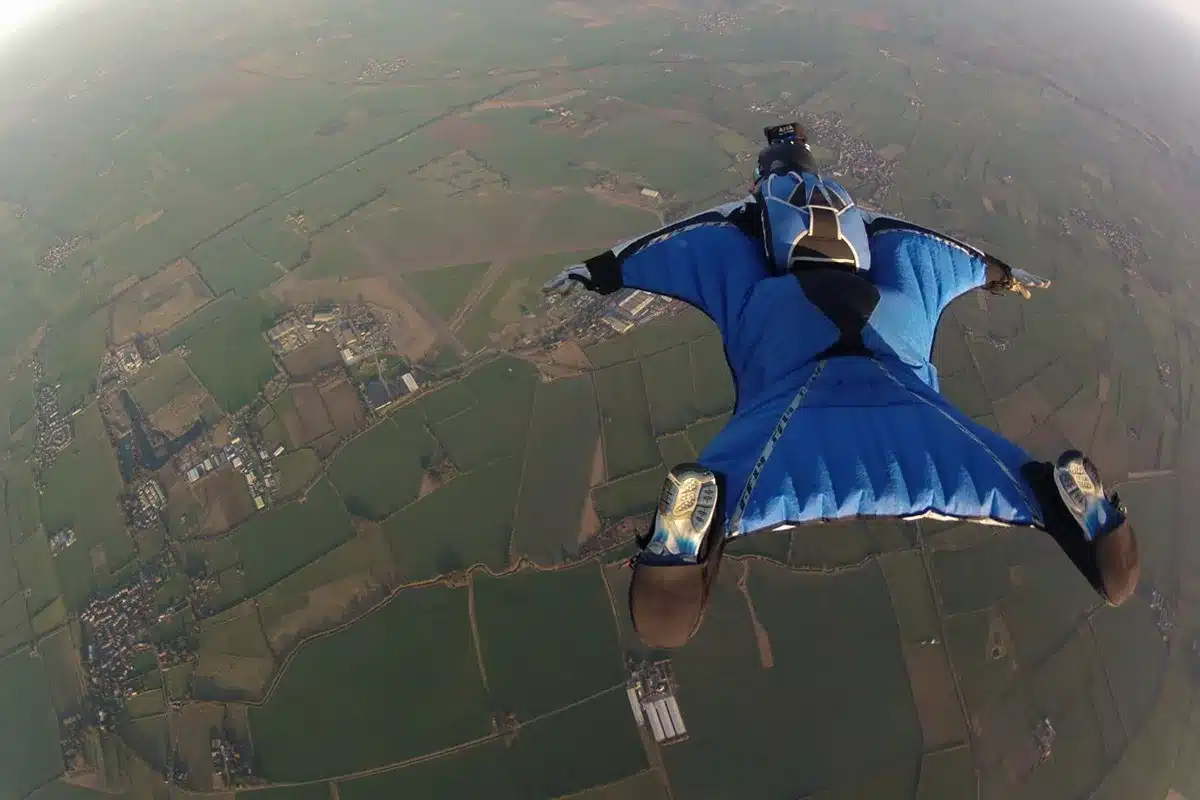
(1002, 278)
(567, 280)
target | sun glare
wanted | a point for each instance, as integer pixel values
(15, 14)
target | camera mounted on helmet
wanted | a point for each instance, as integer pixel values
(808, 222)
(786, 151)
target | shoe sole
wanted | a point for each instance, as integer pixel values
(689, 494)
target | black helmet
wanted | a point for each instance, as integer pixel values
(784, 157)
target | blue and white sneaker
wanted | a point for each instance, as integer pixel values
(674, 573)
(685, 514)
(1082, 492)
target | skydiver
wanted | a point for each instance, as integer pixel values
(828, 313)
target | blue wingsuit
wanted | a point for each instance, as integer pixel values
(838, 412)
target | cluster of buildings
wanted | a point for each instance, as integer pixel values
(231, 762)
(855, 157)
(628, 309)
(589, 317)
(145, 503)
(126, 361)
(1043, 737)
(1164, 616)
(54, 432)
(356, 330)
(61, 541)
(58, 253)
(718, 22)
(376, 70)
(651, 693)
(257, 466)
(71, 738)
(564, 116)
(1126, 245)
(202, 589)
(117, 632)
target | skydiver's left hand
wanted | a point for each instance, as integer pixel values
(570, 278)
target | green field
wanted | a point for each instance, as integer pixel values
(160, 382)
(296, 471)
(364, 561)
(229, 264)
(446, 288)
(380, 471)
(545, 760)
(662, 334)
(466, 522)
(15, 629)
(563, 437)
(497, 425)
(629, 444)
(232, 360)
(334, 196)
(21, 513)
(670, 390)
(568, 613)
(912, 598)
(277, 542)
(675, 449)
(634, 494)
(858, 688)
(1135, 657)
(28, 727)
(81, 490)
(35, 565)
(66, 791)
(946, 774)
(980, 656)
(226, 310)
(847, 542)
(60, 659)
(968, 580)
(411, 661)
(274, 238)
(145, 704)
(71, 354)
(312, 791)
(714, 383)
(611, 352)
(485, 770)
(149, 737)
(775, 545)
(704, 432)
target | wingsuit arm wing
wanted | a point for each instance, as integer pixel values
(924, 263)
(710, 260)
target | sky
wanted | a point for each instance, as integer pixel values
(1186, 10)
(15, 14)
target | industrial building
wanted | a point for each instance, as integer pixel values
(651, 693)
(617, 324)
(637, 302)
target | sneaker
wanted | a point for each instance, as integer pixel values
(1090, 527)
(674, 573)
(1082, 492)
